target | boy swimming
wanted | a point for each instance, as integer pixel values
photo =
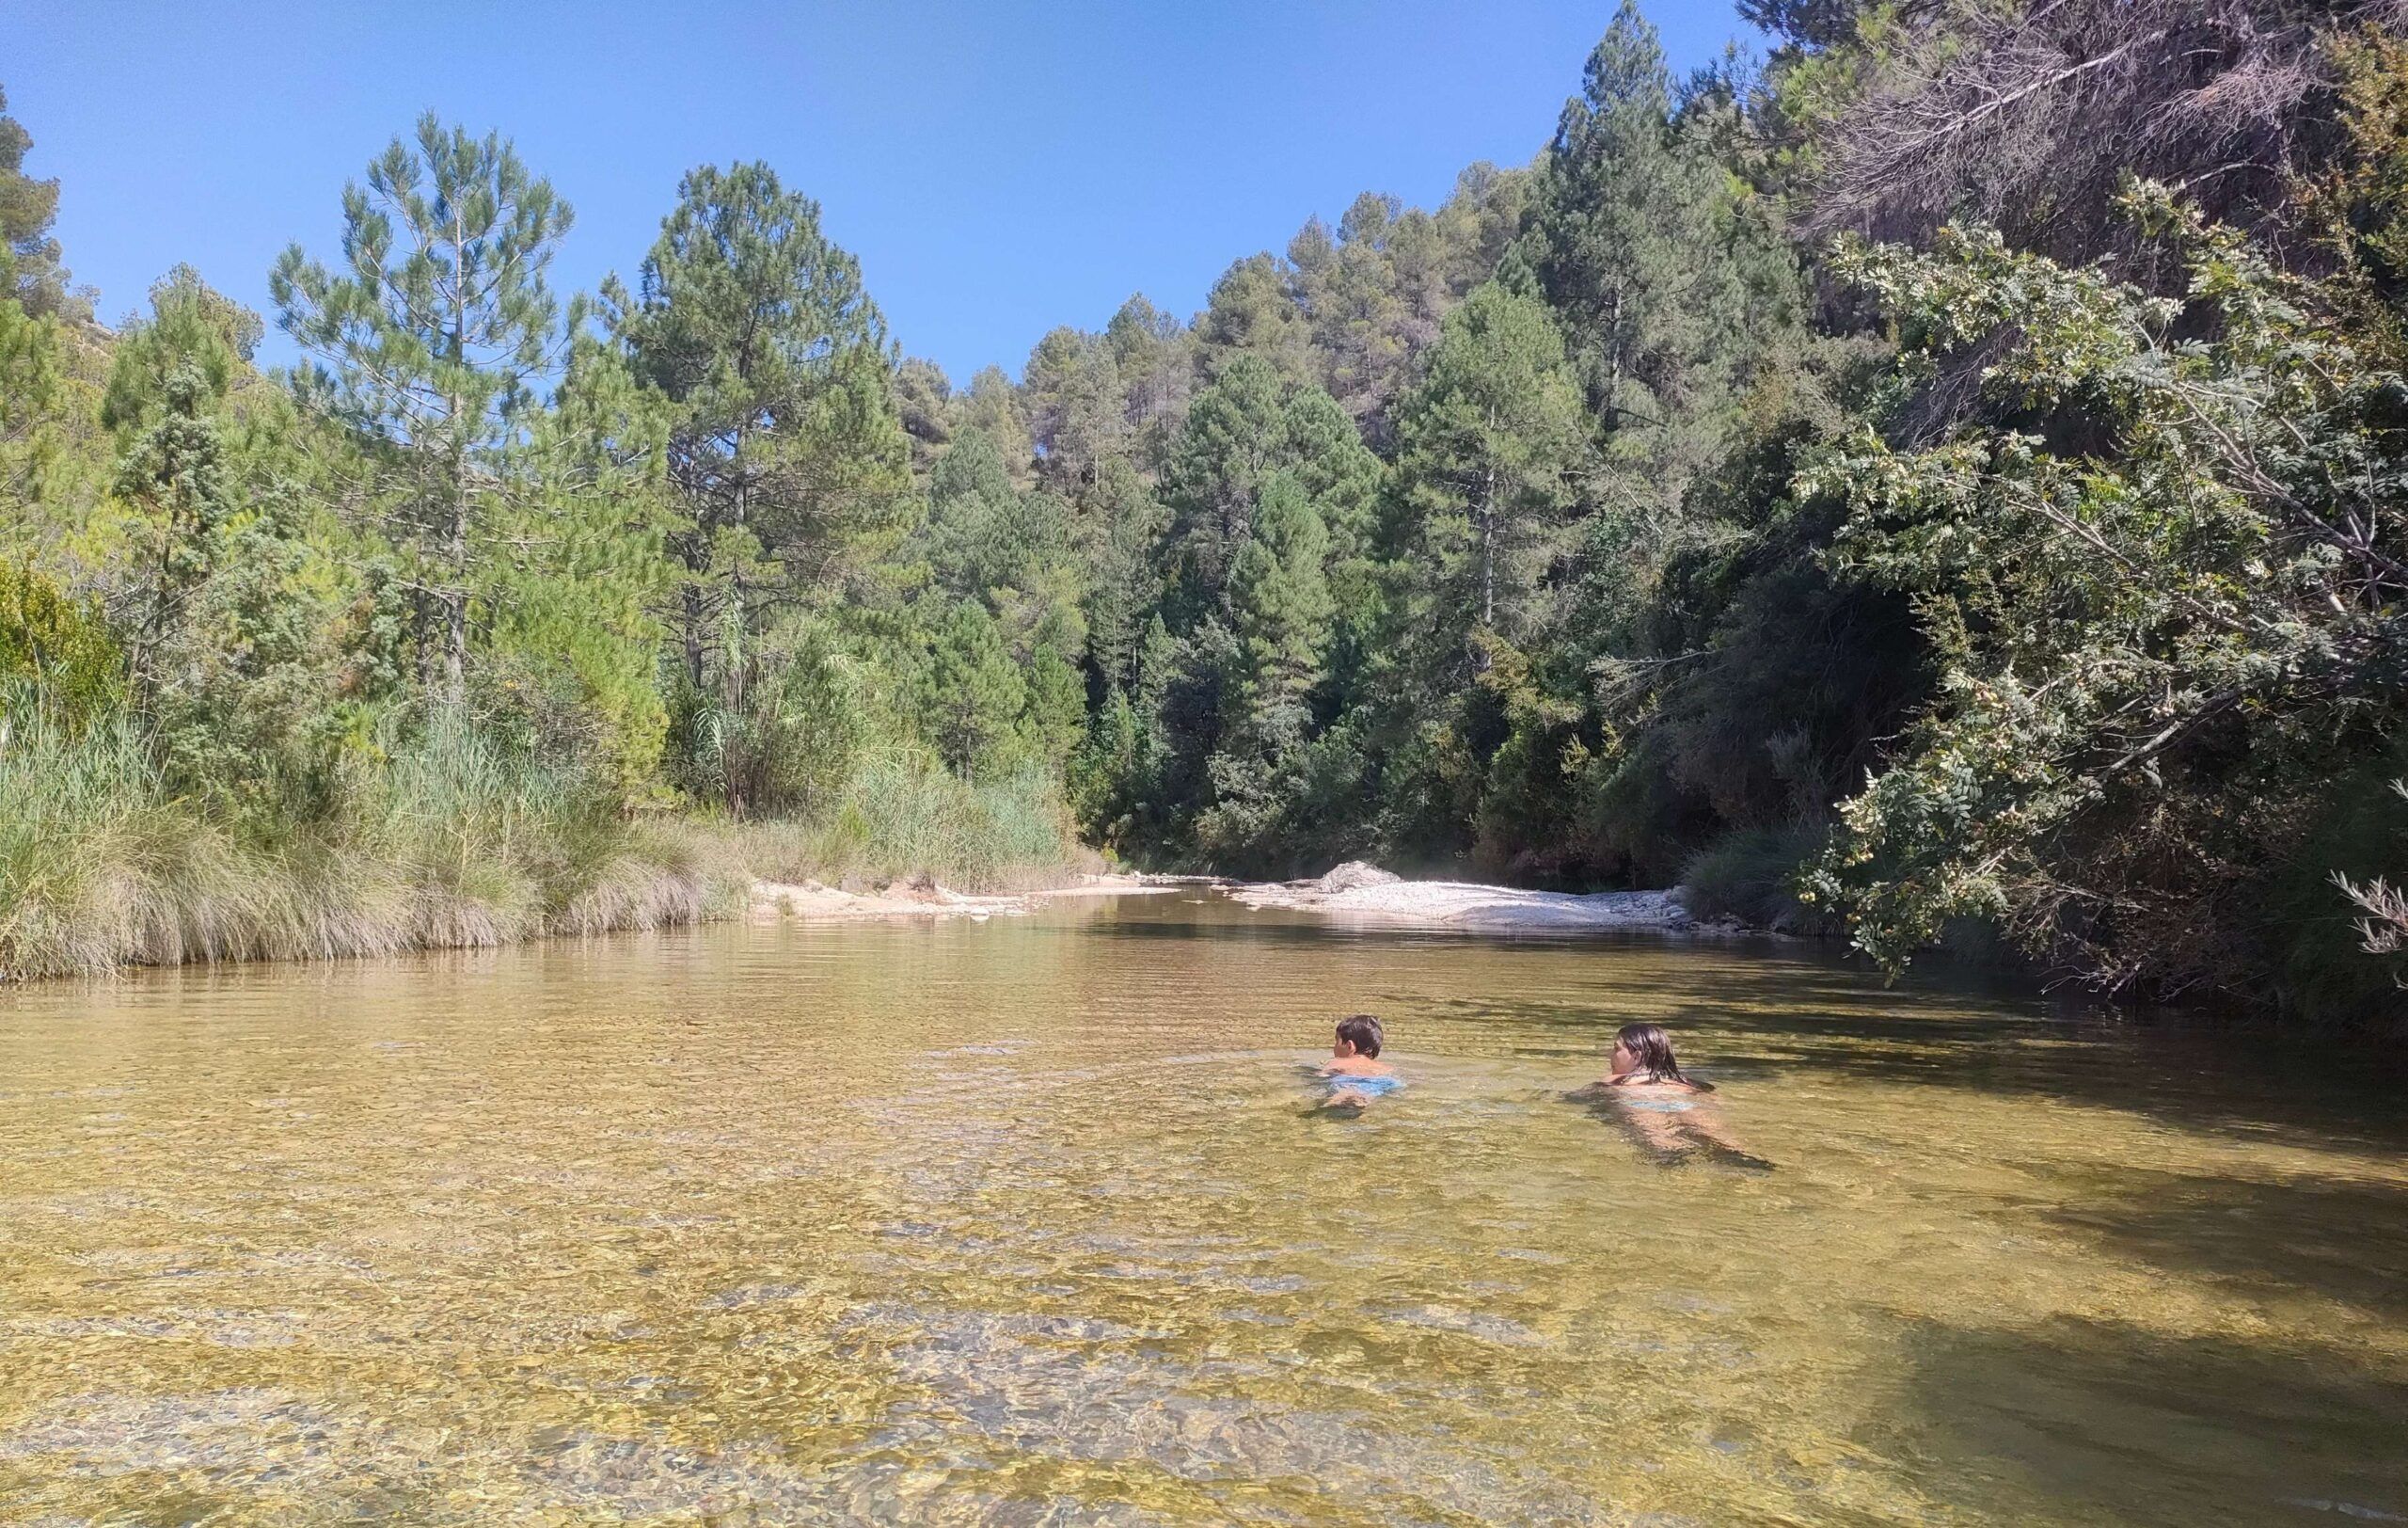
(1355, 1074)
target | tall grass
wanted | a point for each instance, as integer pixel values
(898, 816)
(452, 842)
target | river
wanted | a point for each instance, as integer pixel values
(1028, 1221)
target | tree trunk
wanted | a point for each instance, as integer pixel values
(1488, 535)
(691, 597)
(455, 546)
(732, 673)
(455, 596)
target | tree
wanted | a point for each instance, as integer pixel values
(1076, 412)
(992, 404)
(1151, 357)
(432, 340)
(973, 695)
(1491, 452)
(174, 469)
(1246, 426)
(2163, 585)
(972, 507)
(56, 652)
(923, 397)
(1252, 314)
(1625, 237)
(574, 595)
(785, 449)
(27, 209)
(1279, 604)
(2030, 118)
(1120, 525)
(191, 324)
(32, 405)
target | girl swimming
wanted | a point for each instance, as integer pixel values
(1661, 1108)
(1643, 1061)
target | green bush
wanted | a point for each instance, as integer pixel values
(56, 648)
(1751, 875)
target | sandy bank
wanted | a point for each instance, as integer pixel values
(1360, 894)
(811, 901)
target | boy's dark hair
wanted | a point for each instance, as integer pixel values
(1362, 1031)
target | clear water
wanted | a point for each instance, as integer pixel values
(1028, 1222)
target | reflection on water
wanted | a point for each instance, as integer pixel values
(1030, 1222)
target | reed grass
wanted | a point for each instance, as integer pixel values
(453, 842)
(899, 817)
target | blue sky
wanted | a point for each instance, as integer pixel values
(999, 168)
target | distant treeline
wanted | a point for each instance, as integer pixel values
(1942, 479)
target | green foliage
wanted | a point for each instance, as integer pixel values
(55, 655)
(973, 695)
(34, 277)
(266, 697)
(1751, 875)
(33, 429)
(1621, 239)
(1242, 428)
(1280, 606)
(784, 449)
(1588, 527)
(899, 816)
(430, 342)
(190, 328)
(174, 471)
(2153, 655)
(1492, 449)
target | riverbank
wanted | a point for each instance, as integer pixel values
(1351, 893)
(1360, 894)
(453, 844)
(813, 902)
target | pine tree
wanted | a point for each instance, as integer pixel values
(1242, 429)
(1153, 356)
(1120, 524)
(787, 447)
(1057, 703)
(972, 503)
(1076, 414)
(1492, 447)
(190, 326)
(574, 624)
(973, 696)
(1280, 606)
(436, 333)
(28, 208)
(1624, 238)
(1252, 314)
(33, 389)
(175, 471)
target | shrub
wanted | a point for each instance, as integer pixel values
(1751, 875)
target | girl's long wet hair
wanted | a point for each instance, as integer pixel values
(1654, 1048)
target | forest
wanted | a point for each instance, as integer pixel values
(1936, 484)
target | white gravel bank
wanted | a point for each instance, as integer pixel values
(1456, 904)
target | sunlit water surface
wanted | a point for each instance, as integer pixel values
(1028, 1222)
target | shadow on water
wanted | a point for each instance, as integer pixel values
(1769, 1027)
(2112, 1423)
(2341, 1238)
(1768, 1010)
